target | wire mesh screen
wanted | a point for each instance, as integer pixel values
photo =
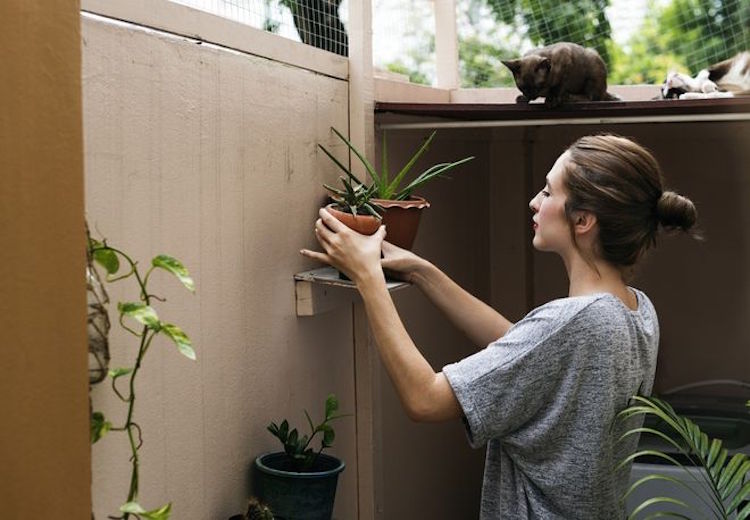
(320, 23)
(640, 40)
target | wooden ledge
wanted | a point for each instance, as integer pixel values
(594, 112)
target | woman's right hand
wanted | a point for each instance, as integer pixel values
(400, 263)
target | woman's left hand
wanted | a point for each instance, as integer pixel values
(352, 253)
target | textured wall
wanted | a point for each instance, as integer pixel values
(210, 155)
(44, 407)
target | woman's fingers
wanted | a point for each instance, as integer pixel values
(315, 255)
(322, 231)
(331, 222)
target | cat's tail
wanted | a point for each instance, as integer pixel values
(611, 97)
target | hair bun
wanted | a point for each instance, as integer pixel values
(675, 211)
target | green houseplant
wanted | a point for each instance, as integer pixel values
(726, 478)
(300, 482)
(392, 195)
(149, 327)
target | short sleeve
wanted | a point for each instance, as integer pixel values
(505, 385)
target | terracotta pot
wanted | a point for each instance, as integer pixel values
(365, 224)
(401, 219)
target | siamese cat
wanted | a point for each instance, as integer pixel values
(728, 78)
(560, 72)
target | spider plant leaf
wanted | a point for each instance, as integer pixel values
(434, 171)
(393, 185)
(658, 500)
(341, 166)
(370, 169)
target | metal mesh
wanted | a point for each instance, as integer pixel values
(640, 40)
(320, 23)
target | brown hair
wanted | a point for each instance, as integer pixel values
(621, 183)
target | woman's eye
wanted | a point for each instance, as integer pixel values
(545, 193)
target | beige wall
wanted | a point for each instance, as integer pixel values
(700, 290)
(44, 429)
(210, 155)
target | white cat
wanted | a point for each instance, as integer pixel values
(728, 78)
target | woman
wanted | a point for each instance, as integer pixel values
(544, 393)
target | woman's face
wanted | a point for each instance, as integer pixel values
(551, 228)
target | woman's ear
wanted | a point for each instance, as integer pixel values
(584, 222)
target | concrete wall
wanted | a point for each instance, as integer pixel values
(210, 155)
(700, 290)
(44, 448)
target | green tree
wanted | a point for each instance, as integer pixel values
(480, 65)
(550, 21)
(702, 32)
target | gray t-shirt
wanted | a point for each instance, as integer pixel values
(544, 399)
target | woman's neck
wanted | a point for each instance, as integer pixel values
(597, 276)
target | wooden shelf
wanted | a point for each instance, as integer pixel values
(533, 114)
(320, 290)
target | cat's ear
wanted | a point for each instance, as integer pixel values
(513, 65)
(544, 64)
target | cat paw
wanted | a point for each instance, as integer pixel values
(522, 99)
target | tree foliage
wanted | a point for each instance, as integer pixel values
(702, 32)
(550, 21)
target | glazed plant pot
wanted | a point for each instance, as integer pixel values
(401, 219)
(365, 224)
(294, 495)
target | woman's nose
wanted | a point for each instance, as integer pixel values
(533, 203)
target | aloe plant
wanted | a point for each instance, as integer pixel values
(383, 185)
(151, 325)
(301, 456)
(727, 478)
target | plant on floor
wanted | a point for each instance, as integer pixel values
(383, 185)
(301, 456)
(150, 326)
(728, 478)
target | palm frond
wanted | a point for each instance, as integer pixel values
(728, 482)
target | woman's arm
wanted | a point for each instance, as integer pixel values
(480, 322)
(425, 395)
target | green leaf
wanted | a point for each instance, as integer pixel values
(180, 338)
(118, 372)
(370, 169)
(156, 514)
(328, 436)
(107, 259)
(99, 426)
(174, 266)
(141, 313)
(394, 184)
(332, 404)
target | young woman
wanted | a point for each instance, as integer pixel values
(544, 393)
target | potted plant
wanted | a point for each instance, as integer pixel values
(725, 478)
(400, 208)
(300, 482)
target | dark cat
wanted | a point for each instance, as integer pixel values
(728, 78)
(561, 72)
